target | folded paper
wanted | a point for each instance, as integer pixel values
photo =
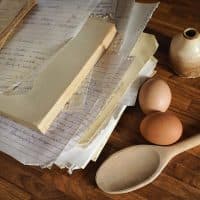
(61, 77)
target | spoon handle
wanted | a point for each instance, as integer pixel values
(186, 144)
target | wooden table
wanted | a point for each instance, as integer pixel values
(180, 180)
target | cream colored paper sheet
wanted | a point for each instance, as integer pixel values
(130, 97)
(62, 76)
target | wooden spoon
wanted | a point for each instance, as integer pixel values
(136, 166)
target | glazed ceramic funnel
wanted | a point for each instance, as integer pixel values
(185, 53)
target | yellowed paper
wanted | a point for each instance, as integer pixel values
(141, 55)
(11, 14)
(62, 76)
(129, 98)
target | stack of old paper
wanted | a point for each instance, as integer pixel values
(83, 127)
(11, 15)
(49, 93)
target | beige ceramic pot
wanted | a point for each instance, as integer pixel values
(185, 53)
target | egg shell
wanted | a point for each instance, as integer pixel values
(155, 95)
(161, 128)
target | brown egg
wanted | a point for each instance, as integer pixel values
(161, 128)
(154, 95)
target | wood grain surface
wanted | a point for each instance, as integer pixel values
(181, 178)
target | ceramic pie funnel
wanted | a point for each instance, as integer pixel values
(185, 53)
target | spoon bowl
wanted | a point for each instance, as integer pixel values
(134, 164)
(137, 166)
